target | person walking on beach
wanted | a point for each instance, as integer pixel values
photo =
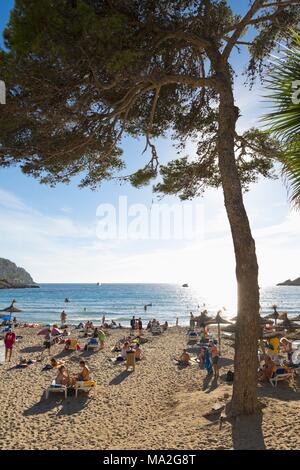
(214, 358)
(132, 323)
(9, 341)
(47, 342)
(102, 338)
(63, 317)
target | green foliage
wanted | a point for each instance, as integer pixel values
(81, 78)
(283, 84)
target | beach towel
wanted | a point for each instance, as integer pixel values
(207, 362)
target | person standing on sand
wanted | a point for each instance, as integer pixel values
(47, 342)
(102, 338)
(9, 341)
(132, 323)
(140, 325)
(214, 358)
(192, 321)
(63, 317)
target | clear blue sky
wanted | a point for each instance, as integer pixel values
(52, 232)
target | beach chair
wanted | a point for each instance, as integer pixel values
(73, 345)
(53, 387)
(156, 330)
(279, 374)
(93, 345)
(192, 337)
(85, 386)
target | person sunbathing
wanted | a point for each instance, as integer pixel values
(85, 373)
(55, 364)
(62, 377)
(123, 355)
(184, 358)
(266, 372)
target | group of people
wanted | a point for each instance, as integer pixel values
(63, 376)
(136, 324)
(269, 359)
(155, 323)
(208, 356)
(128, 345)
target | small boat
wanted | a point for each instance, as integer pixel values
(185, 285)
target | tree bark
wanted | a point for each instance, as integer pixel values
(244, 398)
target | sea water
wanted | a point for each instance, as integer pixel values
(120, 301)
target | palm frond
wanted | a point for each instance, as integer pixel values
(283, 83)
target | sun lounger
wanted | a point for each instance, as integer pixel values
(156, 330)
(73, 345)
(93, 345)
(53, 387)
(279, 376)
(192, 338)
(85, 386)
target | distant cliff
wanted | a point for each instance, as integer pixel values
(296, 282)
(12, 277)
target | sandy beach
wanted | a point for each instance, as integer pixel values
(158, 406)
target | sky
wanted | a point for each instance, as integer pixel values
(54, 232)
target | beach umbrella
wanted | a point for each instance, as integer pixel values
(287, 324)
(203, 318)
(283, 316)
(293, 336)
(265, 321)
(44, 332)
(218, 320)
(274, 315)
(12, 309)
(229, 328)
(55, 331)
(262, 320)
(273, 334)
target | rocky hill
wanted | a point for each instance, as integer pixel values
(11, 276)
(295, 282)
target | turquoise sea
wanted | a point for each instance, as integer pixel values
(121, 301)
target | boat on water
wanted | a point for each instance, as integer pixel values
(185, 285)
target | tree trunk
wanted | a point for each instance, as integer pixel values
(244, 398)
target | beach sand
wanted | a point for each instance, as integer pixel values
(157, 406)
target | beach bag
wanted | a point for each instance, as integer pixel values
(229, 376)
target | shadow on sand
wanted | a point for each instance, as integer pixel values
(247, 433)
(68, 406)
(120, 378)
(32, 349)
